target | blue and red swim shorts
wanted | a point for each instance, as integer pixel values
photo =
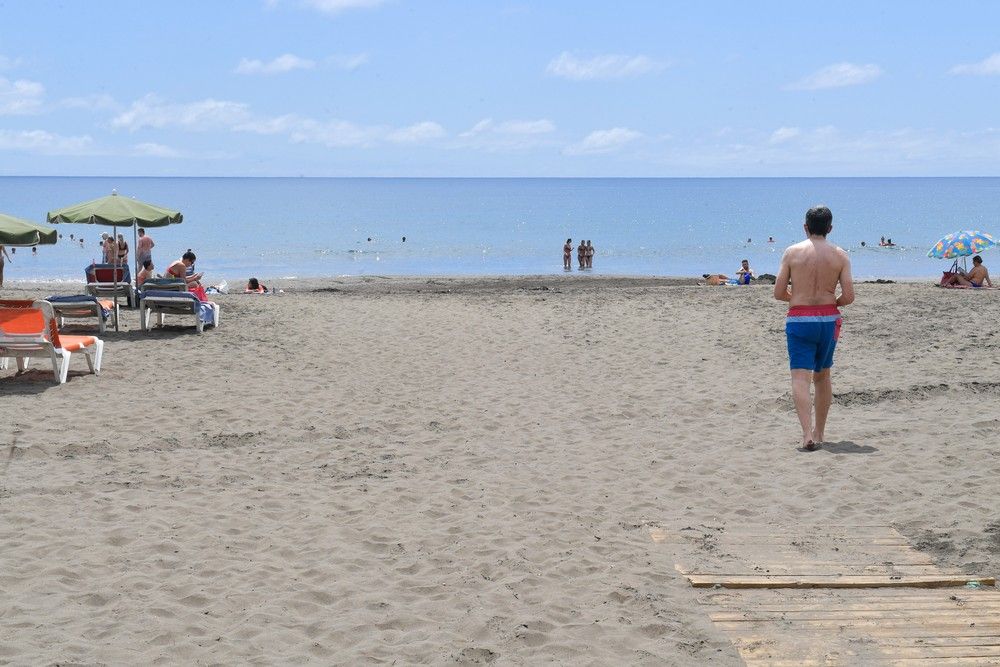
(812, 333)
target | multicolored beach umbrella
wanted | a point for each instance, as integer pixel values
(961, 244)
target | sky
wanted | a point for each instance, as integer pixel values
(469, 88)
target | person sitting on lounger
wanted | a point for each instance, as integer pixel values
(977, 277)
(146, 273)
(179, 269)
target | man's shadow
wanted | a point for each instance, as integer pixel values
(844, 447)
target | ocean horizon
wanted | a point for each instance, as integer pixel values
(311, 227)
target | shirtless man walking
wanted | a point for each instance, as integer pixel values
(808, 278)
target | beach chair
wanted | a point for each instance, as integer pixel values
(168, 284)
(109, 280)
(85, 306)
(165, 302)
(28, 329)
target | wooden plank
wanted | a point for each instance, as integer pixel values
(926, 607)
(831, 581)
(850, 602)
(877, 627)
(779, 559)
(793, 541)
(885, 654)
(903, 662)
(924, 662)
(833, 569)
(759, 641)
(851, 615)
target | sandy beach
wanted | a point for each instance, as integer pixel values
(466, 470)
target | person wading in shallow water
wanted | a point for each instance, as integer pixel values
(808, 278)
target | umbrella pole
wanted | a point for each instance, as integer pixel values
(135, 255)
(114, 272)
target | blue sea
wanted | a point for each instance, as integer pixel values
(284, 228)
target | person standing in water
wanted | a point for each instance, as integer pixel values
(143, 248)
(568, 255)
(590, 255)
(808, 279)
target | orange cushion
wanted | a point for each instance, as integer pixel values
(74, 343)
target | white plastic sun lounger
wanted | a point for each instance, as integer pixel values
(176, 303)
(30, 330)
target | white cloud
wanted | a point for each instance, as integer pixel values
(21, 97)
(277, 125)
(334, 7)
(568, 66)
(97, 102)
(985, 67)
(7, 62)
(155, 150)
(348, 62)
(45, 143)
(334, 133)
(507, 135)
(838, 76)
(477, 129)
(603, 141)
(417, 133)
(542, 126)
(283, 63)
(203, 115)
(783, 134)
(151, 111)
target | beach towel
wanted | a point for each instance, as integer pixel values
(153, 282)
(205, 310)
(83, 298)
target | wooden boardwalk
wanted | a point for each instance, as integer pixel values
(868, 597)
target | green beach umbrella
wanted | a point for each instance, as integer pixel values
(18, 232)
(117, 211)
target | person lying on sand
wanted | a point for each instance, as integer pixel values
(715, 279)
(977, 277)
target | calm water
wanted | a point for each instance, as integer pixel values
(309, 227)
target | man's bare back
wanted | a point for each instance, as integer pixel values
(814, 268)
(808, 278)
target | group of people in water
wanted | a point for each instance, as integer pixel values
(584, 255)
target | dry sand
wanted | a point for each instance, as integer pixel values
(441, 470)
